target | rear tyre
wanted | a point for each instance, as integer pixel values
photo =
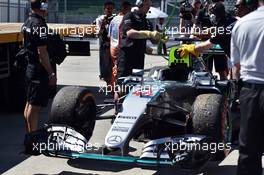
(74, 106)
(210, 118)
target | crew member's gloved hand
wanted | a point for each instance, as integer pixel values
(155, 35)
(145, 34)
(165, 39)
(185, 49)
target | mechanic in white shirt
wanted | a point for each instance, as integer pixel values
(247, 55)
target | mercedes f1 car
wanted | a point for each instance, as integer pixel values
(178, 111)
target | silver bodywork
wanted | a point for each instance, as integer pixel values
(133, 113)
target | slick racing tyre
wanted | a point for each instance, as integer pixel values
(210, 118)
(75, 107)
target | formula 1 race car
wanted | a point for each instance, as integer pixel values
(179, 111)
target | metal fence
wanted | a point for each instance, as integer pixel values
(80, 11)
(13, 10)
(68, 11)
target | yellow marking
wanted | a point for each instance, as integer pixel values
(11, 37)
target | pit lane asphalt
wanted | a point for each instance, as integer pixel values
(82, 70)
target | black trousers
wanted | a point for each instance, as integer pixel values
(251, 137)
(164, 48)
(220, 62)
(105, 63)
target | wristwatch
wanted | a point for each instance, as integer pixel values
(52, 75)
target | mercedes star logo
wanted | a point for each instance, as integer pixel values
(114, 139)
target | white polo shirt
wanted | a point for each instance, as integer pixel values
(114, 30)
(247, 46)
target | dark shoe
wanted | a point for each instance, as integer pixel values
(34, 140)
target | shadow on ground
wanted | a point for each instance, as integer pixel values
(12, 132)
(69, 173)
(211, 168)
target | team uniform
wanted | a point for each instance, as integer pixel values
(222, 39)
(188, 20)
(35, 32)
(132, 51)
(203, 19)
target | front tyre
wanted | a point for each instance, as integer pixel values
(210, 118)
(75, 107)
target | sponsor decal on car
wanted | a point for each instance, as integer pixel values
(114, 139)
(120, 129)
(127, 117)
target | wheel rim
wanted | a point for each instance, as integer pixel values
(84, 112)
(84, 105)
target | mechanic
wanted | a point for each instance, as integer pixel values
(188, 14)
(105, 61)
(114, 34)
(133, 43)
(223, 24)
(39, 73)
(247, 55)
(203, 22)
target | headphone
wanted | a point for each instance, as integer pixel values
(40, 4)
(213, 19)
(217, 13)
(139, 3)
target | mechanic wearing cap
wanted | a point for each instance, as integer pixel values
(39, 73)
(135, 32)
(247, 55)
(223, 24)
